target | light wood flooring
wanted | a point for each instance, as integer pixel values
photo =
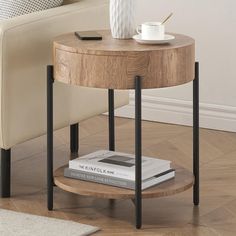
(169, 216)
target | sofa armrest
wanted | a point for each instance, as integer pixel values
(25, 50)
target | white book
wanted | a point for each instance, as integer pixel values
(118, 182)
(119, 165)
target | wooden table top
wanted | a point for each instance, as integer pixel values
(112, 63)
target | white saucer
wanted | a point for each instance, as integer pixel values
(167, 39)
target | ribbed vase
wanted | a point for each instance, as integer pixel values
(122, 18)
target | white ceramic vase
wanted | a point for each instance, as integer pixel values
(122, 18)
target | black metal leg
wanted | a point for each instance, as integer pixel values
(111, 120)
(74, 140)
(196, 135)
(111, 125)
(5, 174)
(138, 151)
(50, 183)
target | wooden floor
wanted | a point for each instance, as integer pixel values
(164, 216)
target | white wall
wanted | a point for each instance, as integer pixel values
(213, 24)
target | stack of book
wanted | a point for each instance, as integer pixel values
(118, 169)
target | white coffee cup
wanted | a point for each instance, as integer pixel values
(151, 31)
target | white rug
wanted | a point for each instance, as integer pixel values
(20, 224)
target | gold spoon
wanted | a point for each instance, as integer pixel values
(167, 18)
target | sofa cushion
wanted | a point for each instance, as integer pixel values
(12, 8)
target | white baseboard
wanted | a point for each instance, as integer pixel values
(174, 111)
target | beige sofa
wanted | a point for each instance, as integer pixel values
(26, 46)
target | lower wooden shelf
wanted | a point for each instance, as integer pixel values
(183, 180)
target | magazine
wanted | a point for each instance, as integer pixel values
(119, 165)
(118, 182)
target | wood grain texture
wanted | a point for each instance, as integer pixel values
(182, 181)
(113, 63)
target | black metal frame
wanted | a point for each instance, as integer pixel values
(138, 151)
(74, 140)
(50, 182)
(111, 120)
(138, 139)
(74, 137)
(5, 174)
(111, 125)
(196, 135)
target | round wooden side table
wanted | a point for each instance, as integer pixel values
(124, 64)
